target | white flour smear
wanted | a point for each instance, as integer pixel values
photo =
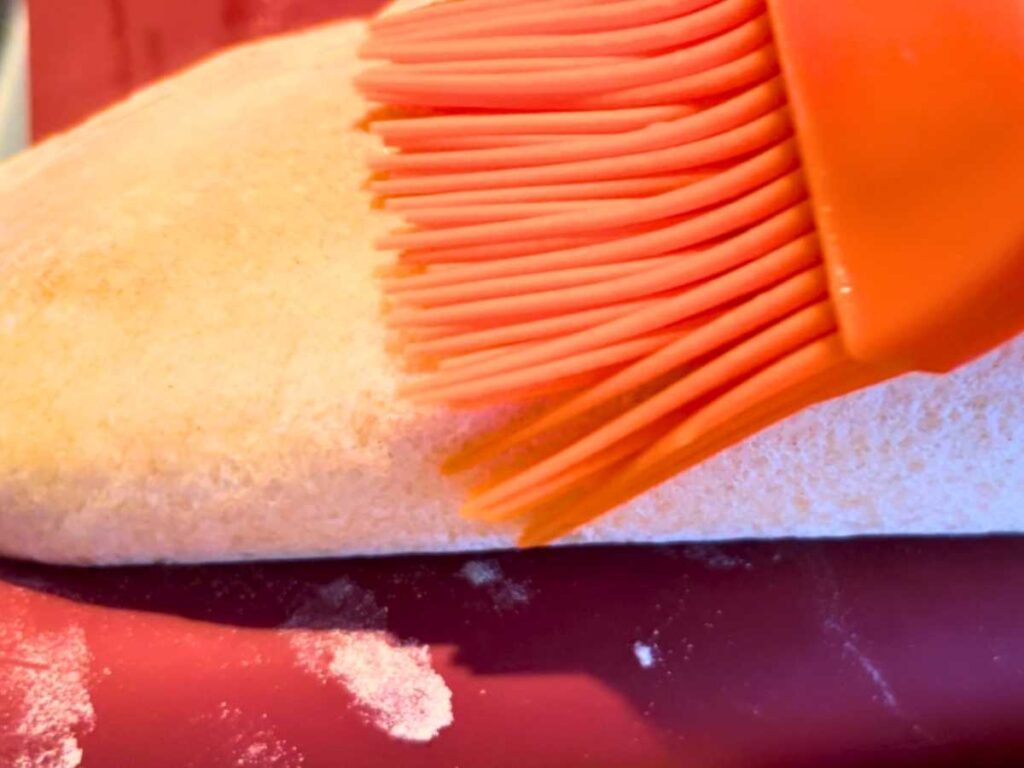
(394, 684)
(43, 681)
(338, 635)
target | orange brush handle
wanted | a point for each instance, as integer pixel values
(910, 122)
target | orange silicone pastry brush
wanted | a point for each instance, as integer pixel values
(689, 219)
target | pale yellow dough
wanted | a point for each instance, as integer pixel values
(192, 365)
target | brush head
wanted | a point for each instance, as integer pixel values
(606, 202)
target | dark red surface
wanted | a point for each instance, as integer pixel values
(870, 653)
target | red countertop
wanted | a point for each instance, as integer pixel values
(768, 655)
(884, 652)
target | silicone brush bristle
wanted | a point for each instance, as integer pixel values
(604, 199)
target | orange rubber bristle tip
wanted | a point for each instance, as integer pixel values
(673, 216)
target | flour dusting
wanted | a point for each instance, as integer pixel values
(487, 574)
(481, 572)
(338, 635)
(273, 753)
(43, 677)
(715, 558)
(852, 649)
(849, 641)
(339, 604)
(251, 742)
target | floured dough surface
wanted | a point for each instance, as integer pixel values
(192, 365)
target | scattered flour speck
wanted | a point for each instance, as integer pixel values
(647, 654)
(43, 677)
(338, 635)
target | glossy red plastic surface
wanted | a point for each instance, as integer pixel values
(771, 655)
(876, 653)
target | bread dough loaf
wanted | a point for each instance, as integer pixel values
(192, 365)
